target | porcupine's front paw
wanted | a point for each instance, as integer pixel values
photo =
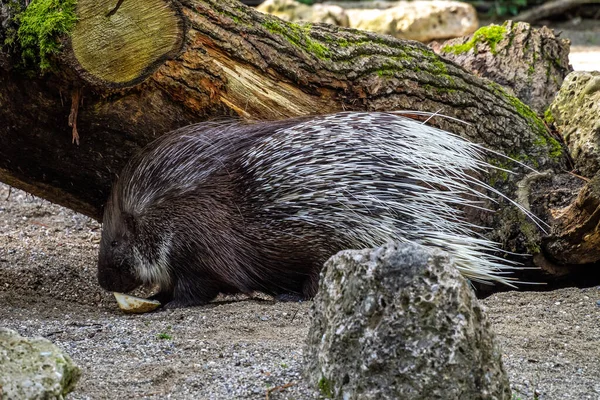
(162, 297)
(184, 303)
(168, 302)
(172, 300)
(290, 297)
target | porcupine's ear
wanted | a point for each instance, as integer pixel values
(130, 222)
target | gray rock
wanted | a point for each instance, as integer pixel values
(292, 10)
(34, 368)
(576, 114)
(415, 20)
(400, 322)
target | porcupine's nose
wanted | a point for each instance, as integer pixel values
(116, 280)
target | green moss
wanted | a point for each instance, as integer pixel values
(439, 67)
(491, 35)
(556, 150)
(500, 174)
(543, 138)
(431, 63)
(402, 57)
(557, 62)
(40, 26)
(299, 36)
(548, 117)
(531, 234)
(343, 42)
(436, 65)
(438, 90)
(326, 387)
(333, 40)
(385, 72)
(165, 336)
(527, 113)
(317, 49)
(274, 27)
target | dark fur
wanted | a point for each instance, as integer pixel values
(220, 241)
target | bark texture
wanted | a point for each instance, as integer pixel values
(578, 239)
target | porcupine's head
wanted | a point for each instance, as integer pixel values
(116, 261)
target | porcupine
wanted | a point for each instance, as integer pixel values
(229, 207)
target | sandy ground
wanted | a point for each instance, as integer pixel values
(237, 349)
(585, 58)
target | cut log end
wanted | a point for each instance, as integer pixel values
(123, 48)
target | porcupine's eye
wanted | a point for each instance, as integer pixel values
(114, 243)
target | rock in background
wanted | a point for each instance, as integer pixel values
(34, 368)
(292, 10)
(532, 63)
(415, 20)
(576, 114)
(399, 322)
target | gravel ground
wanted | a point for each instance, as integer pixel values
(237, 348)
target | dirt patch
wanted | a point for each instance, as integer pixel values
(237, 348)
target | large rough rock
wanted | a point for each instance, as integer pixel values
(34, 368)
(576, 114)
(532, 63)
(292, 10)
(400, 322)
(415, 20)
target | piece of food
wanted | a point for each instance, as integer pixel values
(135, 305)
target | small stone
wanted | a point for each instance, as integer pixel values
(135, 305)
(34, 368)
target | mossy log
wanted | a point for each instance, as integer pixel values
(531, 62)
(122, 76)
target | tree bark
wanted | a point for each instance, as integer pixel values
(152, 66)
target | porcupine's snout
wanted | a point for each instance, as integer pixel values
(115, 280)
(115, 269)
